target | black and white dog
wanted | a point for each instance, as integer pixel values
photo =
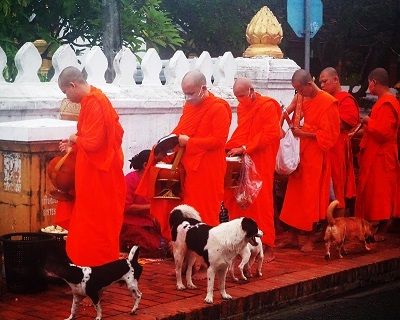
(90, 281)
(218, 246)
(249, 255)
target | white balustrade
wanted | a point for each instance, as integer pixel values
(148, 110)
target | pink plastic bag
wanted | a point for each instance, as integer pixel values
(250, 183)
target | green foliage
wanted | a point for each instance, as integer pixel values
(145, 19)
(217, 26)
(65, 21)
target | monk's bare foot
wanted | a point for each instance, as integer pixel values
(307, 247)
(268, 253)
(291, 241)
(379, 238)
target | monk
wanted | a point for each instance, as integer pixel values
(202, 130)
(378, 159)
(96, 213)
(307, 194)
(258, 135)
(343, 178)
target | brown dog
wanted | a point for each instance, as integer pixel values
(344, 229)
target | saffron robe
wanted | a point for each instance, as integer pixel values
(203, 161)
(98, 207)
(341, 155)
(258, 129)
(378, 159)
(307, 193)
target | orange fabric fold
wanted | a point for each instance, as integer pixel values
(307, 193)
(378, 159)
(203, 162)
(258, 129)
(97, 211)
(341, 155)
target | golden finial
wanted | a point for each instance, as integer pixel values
(264, 33)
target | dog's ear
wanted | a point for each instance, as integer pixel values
(249, 226)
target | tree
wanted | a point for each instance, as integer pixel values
(214, 26)
(66, 21)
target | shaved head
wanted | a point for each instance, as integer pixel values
(329, 81)
(195, 78)
(72, 82)
(70, 74)
(194, 87)
(301, 77)
(242, 84)
(330, 71)
(380, 75)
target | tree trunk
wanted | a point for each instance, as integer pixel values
(112, 39)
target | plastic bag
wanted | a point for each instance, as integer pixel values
(250, 183)
(288, 156)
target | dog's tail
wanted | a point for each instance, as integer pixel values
(329, 212)
(181, 213)
(134, 254)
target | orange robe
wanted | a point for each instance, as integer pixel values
(97, 211)
(376, 193)
(203, 162)
(258, 129)
(341, 156)
(307, 193)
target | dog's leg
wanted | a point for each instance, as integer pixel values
(327, 250)
(260, 263)
(179, 255)
(210, 285)
(76, 300)
(340, 248)
(246, 254)
(190, 264)
(232, 271)
(95, 297)
(138, 296)
(222, 278)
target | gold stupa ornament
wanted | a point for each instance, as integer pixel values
(264, 33)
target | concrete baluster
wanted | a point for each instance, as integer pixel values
(62, 58)
(177, 67)
(151, 67)
(28, 62)
(96, 66)
(125, 68)
(3, 62)
(205, 65)
(226, 68)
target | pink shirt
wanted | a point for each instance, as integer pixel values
(132, 180)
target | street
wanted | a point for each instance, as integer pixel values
(380, 302)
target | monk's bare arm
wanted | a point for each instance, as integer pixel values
(288, 110)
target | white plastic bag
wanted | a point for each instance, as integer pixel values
(288, 156)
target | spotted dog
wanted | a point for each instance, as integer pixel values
(218, 246)
(91, 281)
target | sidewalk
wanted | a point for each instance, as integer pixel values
(293, 276)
